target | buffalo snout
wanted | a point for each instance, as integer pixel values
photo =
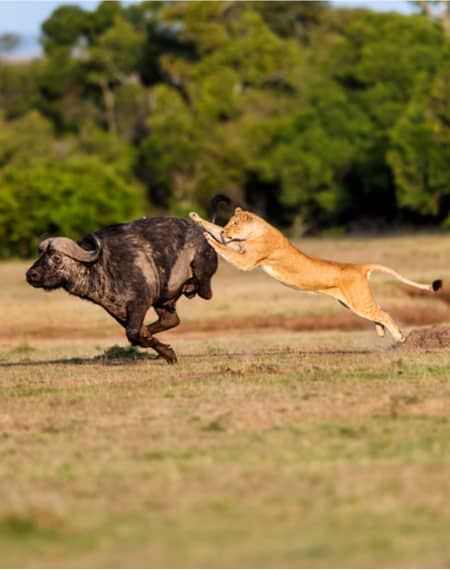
(34, 276)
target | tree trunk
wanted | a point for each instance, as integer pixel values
(108, 98)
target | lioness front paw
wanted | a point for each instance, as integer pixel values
(194, 217)
(212, 242)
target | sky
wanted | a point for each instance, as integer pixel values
(24, 17)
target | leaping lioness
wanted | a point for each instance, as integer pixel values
(248, 241)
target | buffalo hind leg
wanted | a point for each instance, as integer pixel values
(167, 319)
(146, 341)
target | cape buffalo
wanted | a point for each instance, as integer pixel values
(127, 268)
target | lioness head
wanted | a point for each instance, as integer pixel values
(240, 226)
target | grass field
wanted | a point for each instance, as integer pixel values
(288, 435)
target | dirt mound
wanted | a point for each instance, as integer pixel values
(437, 336)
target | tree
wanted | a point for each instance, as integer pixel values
(60, 185)
(438, 10)
(8, 42)
(19, 90)
(112, 62)
(238, 76)
(290, 19)
(376, 59)
(167, 157)
(66, 27)
(420, 151)
(301, 110)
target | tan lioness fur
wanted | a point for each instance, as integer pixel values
(248, 241)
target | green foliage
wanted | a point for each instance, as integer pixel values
(68, 198)
(169, 154)
(304, 111)
(420, 154)
(19, 88)
(377, 59)
(24, 139)
(290, 19)
(65, 27)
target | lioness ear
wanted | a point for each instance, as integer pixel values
(237, 210)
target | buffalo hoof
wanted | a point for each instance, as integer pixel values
(168, 354)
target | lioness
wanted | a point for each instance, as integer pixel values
(248, 241)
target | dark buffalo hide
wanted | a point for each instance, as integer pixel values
(128, 268)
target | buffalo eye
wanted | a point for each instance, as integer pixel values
(57, 258)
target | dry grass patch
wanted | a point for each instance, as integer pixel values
(263, 447)
(263, 457)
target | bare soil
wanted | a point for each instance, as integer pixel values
(341, 321)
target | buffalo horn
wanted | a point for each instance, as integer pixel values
(70, 248)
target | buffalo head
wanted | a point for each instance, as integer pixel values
(60, 260)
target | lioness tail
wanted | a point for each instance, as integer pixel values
(215, 201)
(435, 286)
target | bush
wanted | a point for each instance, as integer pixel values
(68, 198)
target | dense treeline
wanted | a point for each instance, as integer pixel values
(316, 117)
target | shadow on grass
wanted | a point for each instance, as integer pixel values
(117, 361)
(113, 356)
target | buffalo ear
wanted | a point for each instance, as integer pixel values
(43, 245)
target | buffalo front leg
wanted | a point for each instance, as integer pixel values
(142, 335)
(167, 319)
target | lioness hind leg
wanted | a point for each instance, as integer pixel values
(387, 322)
(359, 297)
(380, 329)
